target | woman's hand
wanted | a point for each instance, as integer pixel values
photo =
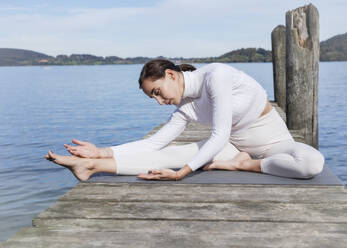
(163, 174)
(84, 150)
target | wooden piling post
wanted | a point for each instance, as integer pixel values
(278, 40)
(302, 64)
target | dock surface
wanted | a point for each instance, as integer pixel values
(173, 214)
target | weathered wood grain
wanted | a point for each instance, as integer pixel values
(278, 42)
(232, 211)
(302, 70)
(183, 234)
(199, 193)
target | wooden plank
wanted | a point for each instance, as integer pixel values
(202, 193)
(191, 126)
(195, 132)
(232, 211)
(236, 185)
(191, 138)
(184, 234)
(194, 226)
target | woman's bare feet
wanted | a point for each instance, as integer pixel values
(237, 163)
(82, 168)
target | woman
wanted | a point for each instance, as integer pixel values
(247, 133)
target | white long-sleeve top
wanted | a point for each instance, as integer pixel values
(215, 94)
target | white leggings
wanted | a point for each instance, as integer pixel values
(267, 139)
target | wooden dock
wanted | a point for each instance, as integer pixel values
(96, 214)
(174, 214)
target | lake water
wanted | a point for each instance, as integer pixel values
(42, 108)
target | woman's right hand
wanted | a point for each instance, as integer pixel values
(83, 150)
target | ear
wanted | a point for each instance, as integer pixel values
(170, 74)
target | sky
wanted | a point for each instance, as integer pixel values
(170, 28)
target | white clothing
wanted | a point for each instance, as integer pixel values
(217, 95)
(259, 137)
(267, 139)
(172, 156)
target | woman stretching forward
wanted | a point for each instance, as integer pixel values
(247, 132)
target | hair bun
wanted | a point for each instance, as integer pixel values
(186, 67)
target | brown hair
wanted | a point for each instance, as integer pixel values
(155, 69)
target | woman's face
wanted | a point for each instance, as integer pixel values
(165, 90)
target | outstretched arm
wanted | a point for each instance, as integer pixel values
(174, 127)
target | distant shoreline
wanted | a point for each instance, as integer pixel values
(333, 49)
(44, 65)
(11, 56)
(41, 65)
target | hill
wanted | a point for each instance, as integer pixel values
(239, 55)
(334, 49)
(10, 56)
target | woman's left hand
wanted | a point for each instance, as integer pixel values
(163, 174)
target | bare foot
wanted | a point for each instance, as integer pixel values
(82, 168)
(234, 164)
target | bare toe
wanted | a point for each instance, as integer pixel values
(80, 167)
(50, 156)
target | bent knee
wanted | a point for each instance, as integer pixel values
(314, 164)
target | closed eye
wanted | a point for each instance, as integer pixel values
(154, 92)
